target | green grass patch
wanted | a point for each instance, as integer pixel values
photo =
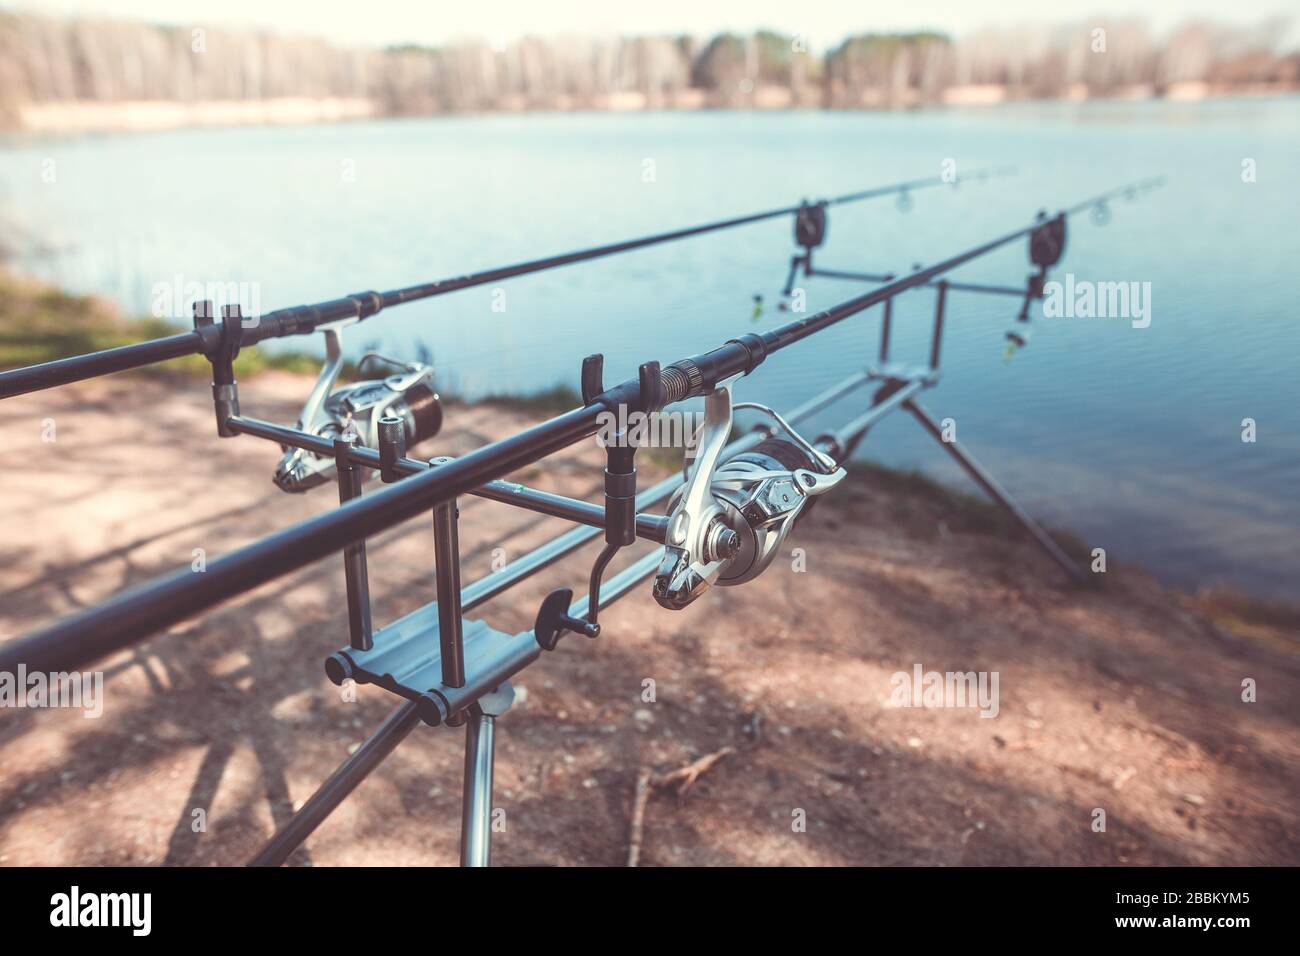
(547, 401)
(39, 323)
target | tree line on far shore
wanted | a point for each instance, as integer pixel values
(47, 60)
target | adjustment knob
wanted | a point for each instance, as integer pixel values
(728, 544)
(724, 543)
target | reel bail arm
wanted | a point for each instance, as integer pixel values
(699, 539)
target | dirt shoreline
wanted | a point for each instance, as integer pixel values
(1118, 698)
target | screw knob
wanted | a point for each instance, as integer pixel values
(726, 544)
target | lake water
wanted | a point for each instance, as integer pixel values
(1131, 436)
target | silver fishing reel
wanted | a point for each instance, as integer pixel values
(356, 409)
(729, 520)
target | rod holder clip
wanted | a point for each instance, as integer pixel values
(220, 346)
(620, 480)
(593, 378)
(654, 396)
(1046, 246)
(648, 394)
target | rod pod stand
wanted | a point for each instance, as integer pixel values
(899, 386)
(405, 665)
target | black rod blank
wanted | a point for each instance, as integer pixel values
(302, 319)
(75, 369)
(295, 321)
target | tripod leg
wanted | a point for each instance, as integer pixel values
(476, 807)
(794, 271)
(476, 819)
(997, 493)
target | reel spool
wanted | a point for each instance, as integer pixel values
(728, 522)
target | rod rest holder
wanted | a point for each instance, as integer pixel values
(620, 490)
(647, 394)
(694, 377)
(1046, 246)
(406, 661)
(220, 346)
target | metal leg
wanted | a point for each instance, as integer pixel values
(885, 329)
(476, 808)
(476, 822)
(854, 276)
(446, 547)
(887, 399)
(936, 339)
(795, 263)
(341, 782)
(354, 555)
(997, 493)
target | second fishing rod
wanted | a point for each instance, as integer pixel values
(303, 319)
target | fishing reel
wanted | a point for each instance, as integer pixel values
(729, 520)
(356, 409)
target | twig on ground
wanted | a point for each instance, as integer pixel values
(685, 777)
(639, 799)
(647, 781)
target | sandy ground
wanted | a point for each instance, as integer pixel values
(1115, 698)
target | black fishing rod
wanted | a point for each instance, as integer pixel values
(128, 618)
(302, 319)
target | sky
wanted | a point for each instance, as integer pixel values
(379, 22)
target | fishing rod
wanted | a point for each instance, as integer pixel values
(128, 618)
(208, 337)
(728, 516)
